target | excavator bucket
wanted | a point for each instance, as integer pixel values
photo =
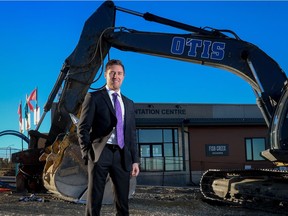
(65, 173)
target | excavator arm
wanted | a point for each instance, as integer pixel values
(234, 55)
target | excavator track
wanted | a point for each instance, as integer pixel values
(262, 189)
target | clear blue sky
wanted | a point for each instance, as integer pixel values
(36, 38)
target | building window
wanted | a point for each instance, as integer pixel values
(159, 149)
(254, 146)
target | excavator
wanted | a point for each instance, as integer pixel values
(58, 166)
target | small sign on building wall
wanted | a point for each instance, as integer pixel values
(217, 149)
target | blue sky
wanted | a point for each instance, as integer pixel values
(36, 38)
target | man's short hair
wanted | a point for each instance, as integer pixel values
(114, 62)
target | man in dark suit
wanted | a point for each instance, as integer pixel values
(108, 141)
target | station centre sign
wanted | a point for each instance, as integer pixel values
(163, 111)
(172, 111)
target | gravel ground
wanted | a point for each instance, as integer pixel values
(147, 200)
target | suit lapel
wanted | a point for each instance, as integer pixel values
(108, 100)
(124, 99)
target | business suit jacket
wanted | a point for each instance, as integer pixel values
(96, 123)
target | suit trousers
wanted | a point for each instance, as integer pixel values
(110, 161)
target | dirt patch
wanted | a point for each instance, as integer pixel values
(147, 200)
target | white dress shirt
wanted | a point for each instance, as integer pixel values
(113, 138)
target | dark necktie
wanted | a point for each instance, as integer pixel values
(119, 126)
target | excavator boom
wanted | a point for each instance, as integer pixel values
(59, 164)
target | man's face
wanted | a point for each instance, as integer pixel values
(114, 77)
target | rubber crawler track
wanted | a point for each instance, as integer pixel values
(267, 202)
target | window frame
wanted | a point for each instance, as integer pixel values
(174, 141)
(252, 147)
